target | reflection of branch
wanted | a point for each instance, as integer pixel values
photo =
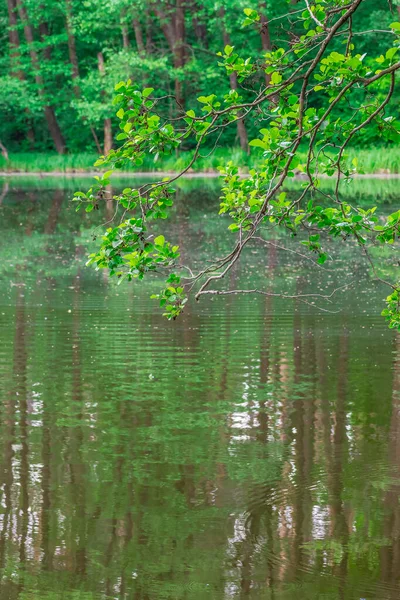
(374, 269)
(300, 297)
(292, 251)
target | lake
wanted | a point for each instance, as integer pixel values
(250, 449)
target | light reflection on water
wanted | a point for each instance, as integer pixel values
(248, 450)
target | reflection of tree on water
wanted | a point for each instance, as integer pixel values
(54, 212)
(230, 467)
(339, 526)
(21, 357)
(15, 457)
(390, 552)
(77, 467)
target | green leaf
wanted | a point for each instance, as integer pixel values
(228, 50)
(258, 143)
(390, 53)
(276, 78)
(147, 91)
(159, 241)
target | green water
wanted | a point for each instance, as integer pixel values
(249, 450)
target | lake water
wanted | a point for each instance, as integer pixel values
(249, 450)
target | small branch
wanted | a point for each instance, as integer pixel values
(314, 18)
(299, 297)
(308, 258)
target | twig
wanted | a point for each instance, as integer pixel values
(314, 18)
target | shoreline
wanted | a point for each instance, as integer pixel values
(157, 174)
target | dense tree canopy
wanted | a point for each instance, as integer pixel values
(61, 59)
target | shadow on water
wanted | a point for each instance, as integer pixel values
(250, 450)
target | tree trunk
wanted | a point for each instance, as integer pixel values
(265, 36)
(138, 37)
(241, 127)
(73, 57)
(264, 33)
(108, 139)
(15, 56)
(125, 37)
(200, 28)
(44, 33)
(179, 48)
(14, 40)
(149, 35)
(173, 27)
(50, 116)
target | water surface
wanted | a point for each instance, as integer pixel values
(249, 450)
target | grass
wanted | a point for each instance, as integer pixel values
(373, 161)
(32, 162)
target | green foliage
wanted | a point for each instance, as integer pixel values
(82, 97)
(392, 310)
(304, 129)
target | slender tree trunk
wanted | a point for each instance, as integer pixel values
(138, 37)
(50, 116)
(200, 28)
(265, 35)
(44, 33)
(108, 140)
(73, 57)
(149, 35)
(125, 37)
(173, 27)
(15, 56)
(179, 48)
(124, 30)
(241, 127)
(14, 40)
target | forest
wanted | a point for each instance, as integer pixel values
(60, 61)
